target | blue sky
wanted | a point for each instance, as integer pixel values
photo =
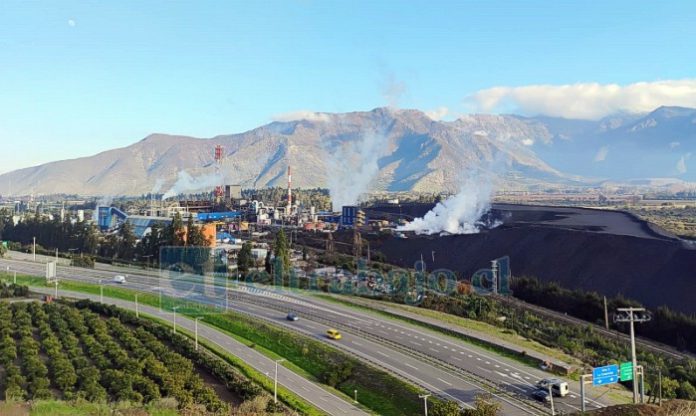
(77, 78)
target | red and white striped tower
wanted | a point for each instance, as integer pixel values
(289, 188)
(219, 189)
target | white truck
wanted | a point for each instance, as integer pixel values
(558, 387)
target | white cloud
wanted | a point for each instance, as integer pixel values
(601, 154)
(437, 113)
(71, 23)
(674, 145)
(301, 115)
(527, 142)
(586, 100)
(681, 164)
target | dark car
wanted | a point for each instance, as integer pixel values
(541, 395)
(292, 317)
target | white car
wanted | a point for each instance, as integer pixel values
(119, 279)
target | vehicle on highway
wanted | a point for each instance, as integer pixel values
(333, 334)
(541, 395)
(558, 387)
(292, 317)
(119, 279)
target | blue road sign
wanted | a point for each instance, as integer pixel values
(605, 375)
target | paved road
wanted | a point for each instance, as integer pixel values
(310, 391)
(452, 369)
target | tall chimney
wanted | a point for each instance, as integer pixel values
(289, 187)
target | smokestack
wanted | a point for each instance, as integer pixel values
(289, 187)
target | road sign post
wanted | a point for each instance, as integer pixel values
(632, 315)
(584, 379)
(626, 371)
(605, 375)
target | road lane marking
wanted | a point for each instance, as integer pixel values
(446, 382)
(434, 350)
(416, 343)
(382, 354)
(409, 365)
(356, 343)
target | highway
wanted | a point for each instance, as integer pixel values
(312, 392)
(440, 364)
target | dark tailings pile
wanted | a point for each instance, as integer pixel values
(606, 251)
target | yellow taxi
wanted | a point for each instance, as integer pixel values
(333, 334)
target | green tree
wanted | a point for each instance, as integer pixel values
(245, 261)
(127, 240)
(448, 408)
(686, 391)
(194, 234)
(669, 388)
(3, 249)
(267, 265)
(281, 251)
(174, 233)
(483, 406)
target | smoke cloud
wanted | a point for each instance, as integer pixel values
(464, 212)
(187, 183)
(157, 186)
(302, 115)
(353, 167)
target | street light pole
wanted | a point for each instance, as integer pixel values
(355, 396)
(196, 330)
(137, 312)
(553, 412)
(275, 381)
(631, 315)
(425, 402)
(101, 291)
(174, 320)
(34, 248)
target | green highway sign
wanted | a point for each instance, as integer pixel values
(626, 371)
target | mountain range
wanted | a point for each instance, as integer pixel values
(387, 149)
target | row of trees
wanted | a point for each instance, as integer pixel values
(83, 238)
(667, 326)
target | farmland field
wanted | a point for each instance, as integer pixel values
(57, 351)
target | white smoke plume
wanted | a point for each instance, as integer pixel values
(353, 167)
(187, 183)
(157, 186)
(461, 213)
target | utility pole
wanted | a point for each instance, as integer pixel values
(34, 249)
(56, 292)
(606, 314)
(633, 315)
(101, 291)
(275, 380)
(425, 402)
(659, 384)
(137, 312)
